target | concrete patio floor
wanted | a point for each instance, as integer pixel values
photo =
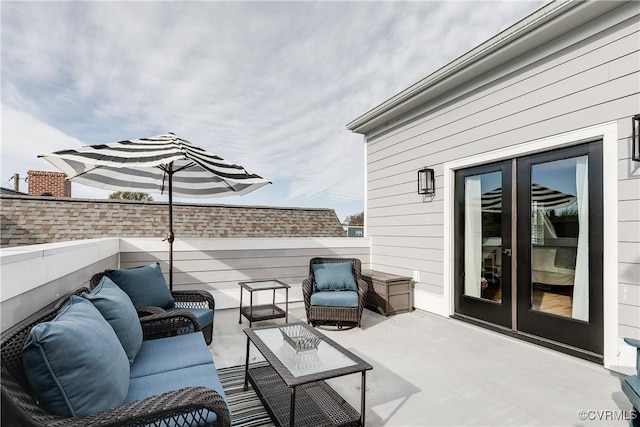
(433, 371)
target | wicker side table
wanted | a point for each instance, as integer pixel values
(256, 313)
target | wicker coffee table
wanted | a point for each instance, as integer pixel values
(291, 385)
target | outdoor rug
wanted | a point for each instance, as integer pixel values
(246, 409)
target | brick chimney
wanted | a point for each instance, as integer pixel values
(43, 183)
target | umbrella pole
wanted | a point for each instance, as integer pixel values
(170, 237)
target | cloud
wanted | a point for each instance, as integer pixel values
(269, 85)
(24, 138)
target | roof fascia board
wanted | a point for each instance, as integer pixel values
(509, 44)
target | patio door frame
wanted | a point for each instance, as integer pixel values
(608, 133)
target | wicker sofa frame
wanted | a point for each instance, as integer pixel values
(337, 315)
(183, 299)
(184, 407)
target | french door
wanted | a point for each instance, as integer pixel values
(483, 236)
(529, 245)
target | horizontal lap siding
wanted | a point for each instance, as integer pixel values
(539, 121)
(221, 270)
(629, 210)
(629, 237)
(589, 76)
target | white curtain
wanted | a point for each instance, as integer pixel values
(580, 308)
(472, 236)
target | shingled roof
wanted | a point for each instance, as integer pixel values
(29, 220)
(4, 190)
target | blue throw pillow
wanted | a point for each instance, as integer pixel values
(144, 285)
(334, 277)
(75, 363)
(116, 307)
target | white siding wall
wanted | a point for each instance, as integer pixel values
(217, 265)
(34, 276)
(588, 76)
(629, 234)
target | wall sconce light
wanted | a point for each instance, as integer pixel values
(427, 182)
(635, 139)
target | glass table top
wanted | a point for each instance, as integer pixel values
(308, 362)
(263, 284)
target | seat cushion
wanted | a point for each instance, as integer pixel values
(145, 285)
(335, 299)
(204, 315)
(195, 376)
(168, 354)
(116, 307)
(631, 387)
(334, 276)
(75, 363)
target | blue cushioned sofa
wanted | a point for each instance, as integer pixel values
(631, 384)
(87, 359)
(150, 294)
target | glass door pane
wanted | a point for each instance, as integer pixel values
(560, 237)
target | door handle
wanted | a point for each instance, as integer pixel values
(506, 252)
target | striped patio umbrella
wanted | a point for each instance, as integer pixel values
(546, 199)
(164, 163)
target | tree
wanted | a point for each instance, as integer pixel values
(357, 219)
(130, 195)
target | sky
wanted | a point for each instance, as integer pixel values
(267, 85)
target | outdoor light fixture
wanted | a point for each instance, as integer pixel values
(635, 139)
(427, 182)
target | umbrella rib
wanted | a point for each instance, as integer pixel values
(87, 171)
(195, 163)
(185, 167)
(167, 169)
(164, 169)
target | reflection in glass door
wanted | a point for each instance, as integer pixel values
(560, 237)
(483, 260)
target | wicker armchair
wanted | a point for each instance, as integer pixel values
(337, 315)
(184, 407)
(184, 300)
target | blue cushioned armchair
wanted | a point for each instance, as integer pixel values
(631, 384)
(334, 292)
(150, 294)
